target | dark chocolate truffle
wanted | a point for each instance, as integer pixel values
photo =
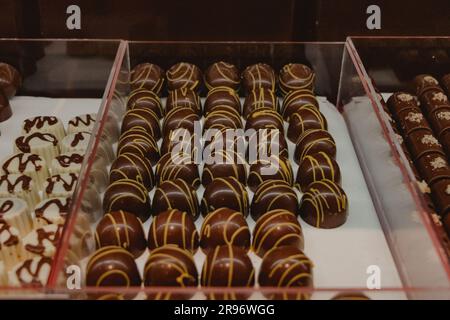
(421, 142)
(145, 99)
(440, 121)
(225, 192)
(266, 143)
(170, 266)
(271, 195)
(350, 296)
(225, 164)
(224, 226)
(183, 98)
(296, 76)
(10, 80)
(127, 195)
(176, 194)
(434, 99)
(274, 229)
(132, 166)
(149, 76)
(140, 143)
(184, 75)
(258, 76)
(304, 119)
(145, 119)
(259, 99)
(324, 205)
(410, 120)
(264, 118)
(270, 168)
(424, 82)
(286, 267)
(222, 118)
(181, 141)
(313, 141)
(5, 108)
(440, 192)
(401, 101)
(295, 100)
(222, 96)
(222, 74)
(180, 118)
(181, 166)
(113, 266)
(446, 83)
(432, 167)
(227, 266)
(316, 167)
(123, 229)
(173, 227)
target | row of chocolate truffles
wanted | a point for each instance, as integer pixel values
(184, 75)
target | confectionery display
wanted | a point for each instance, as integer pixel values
(259, 75)
(170, 266)
(274, 229)
(147, 100)
(123, 229)
(227, 266)
(147, 76)
(222, 74)
(184, 75)
(183, 98)
(286, 266)
(224, 226)
(176, 194)
(295, 76)
(173, 227)
(225, 192)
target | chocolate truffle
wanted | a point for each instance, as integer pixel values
(264, 118)
(324, 205)
(228, 266)
(128, 195)
(266, 143)
(286, 267)
(225, 192)
(313, 141)
(170, 266)
(271, 168)
(271, 195)
(173, 227)
(221, 164)
(440, 121)
(181, 166)
(183, 141)
(222, 118)
(258, 76)
(259, 99)
(145, 99)
(184, 75)
(10, 80)
(132, 166)
(123, 229)
(316, 167)
(350, 296)
(304, 119)
(432, 167)
(140, 143)
(402, 101)
(440, 192)
(410, 120)
(424, 82)
(143, 118)
(180, 118)
(296, 76)
(148, 76)
(421, 142)
(222, 74)
(183, 98)
(224, 226)
(112, 266)
(296, 100)
(176, 194)
(5, 108)
(446, 83)
(222, 96)
(274, 229)
(434, 99)
(445, 138)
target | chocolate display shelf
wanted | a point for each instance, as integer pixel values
(405, 251)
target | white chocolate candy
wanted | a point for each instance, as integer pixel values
(67, 163)
(3, 275)
(51, 211)
(44, 124)
(82, 123)
(20, 186)
(30, 164)
(60, 185)
(15, 212)
(11, 248)
(43, 241)
(33, 271)
(76, 142)
(43, 144)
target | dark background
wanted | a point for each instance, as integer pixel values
(246, 20)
